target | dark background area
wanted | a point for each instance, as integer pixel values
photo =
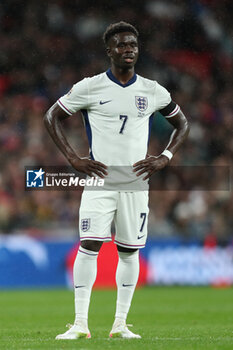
(46, 47)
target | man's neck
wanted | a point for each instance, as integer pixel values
(122, 75)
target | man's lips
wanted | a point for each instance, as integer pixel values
(128, 59)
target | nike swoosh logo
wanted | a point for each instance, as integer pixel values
(127, 285)
(79, 286)
(103, 102)
(139, 237)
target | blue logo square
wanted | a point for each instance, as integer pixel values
(35, 178)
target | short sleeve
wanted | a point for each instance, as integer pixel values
(162, 97)
(76, 98)
(163, 102)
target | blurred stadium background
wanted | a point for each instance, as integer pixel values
(186, 46)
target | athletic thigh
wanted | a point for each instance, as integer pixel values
(96, 213)
(131, 219)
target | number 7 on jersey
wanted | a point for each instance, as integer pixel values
(124, 117)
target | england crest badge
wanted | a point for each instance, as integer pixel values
(85, 224)
(141, 103)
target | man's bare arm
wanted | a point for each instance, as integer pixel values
(152, 163)
(180, 124)
(52, 121)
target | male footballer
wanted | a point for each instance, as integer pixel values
(118, 107)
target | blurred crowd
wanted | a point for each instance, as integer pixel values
(46, 47)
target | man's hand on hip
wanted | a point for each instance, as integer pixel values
(89, 167)
(150, 165)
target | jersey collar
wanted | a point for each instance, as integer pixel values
(114, 79)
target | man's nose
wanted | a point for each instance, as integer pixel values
(128, 48)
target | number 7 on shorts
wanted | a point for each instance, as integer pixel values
(143, 217)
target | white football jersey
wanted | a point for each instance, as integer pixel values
(118, 117)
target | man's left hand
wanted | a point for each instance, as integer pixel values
(150, 165)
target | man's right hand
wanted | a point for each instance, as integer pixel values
(89, 167)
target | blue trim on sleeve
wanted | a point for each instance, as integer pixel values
(115, 80)
(149, 127)
(88, 131)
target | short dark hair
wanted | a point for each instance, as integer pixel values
(119, 27)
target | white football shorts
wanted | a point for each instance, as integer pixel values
(129, 210)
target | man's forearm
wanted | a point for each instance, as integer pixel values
(87, 166)
(180, 133)
(52, 121)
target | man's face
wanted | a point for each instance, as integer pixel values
(123, 50)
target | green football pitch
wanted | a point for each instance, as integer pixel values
(173, 318)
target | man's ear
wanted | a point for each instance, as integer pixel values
(108, 50)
